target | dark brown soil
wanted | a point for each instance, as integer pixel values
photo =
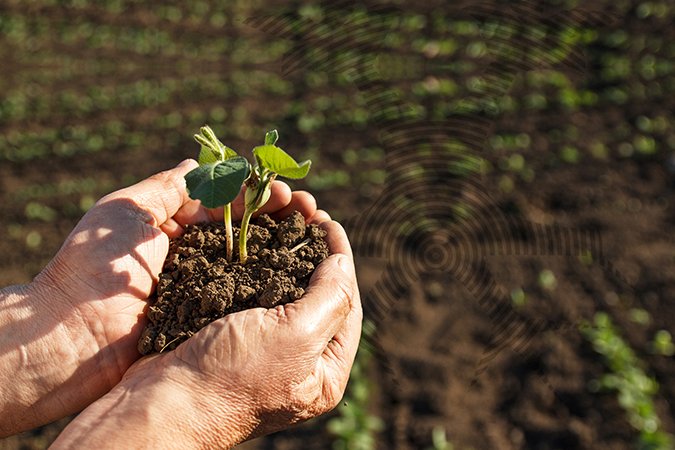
(198, 285)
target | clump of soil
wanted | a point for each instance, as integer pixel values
(198, 285)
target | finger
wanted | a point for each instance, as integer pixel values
(336, 238)
(319, 217)
(279, 198)
(161, 195)
(319, 314)
(338, 356)
(301, 201)
(172, 228)
(192, 212)
(340, 351)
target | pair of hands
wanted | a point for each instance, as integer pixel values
(69, 338)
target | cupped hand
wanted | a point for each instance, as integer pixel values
(247, 374)
(84, 312)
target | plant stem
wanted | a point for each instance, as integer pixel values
(243, 254)
(227, 218)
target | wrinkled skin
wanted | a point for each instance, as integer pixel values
(258, 370)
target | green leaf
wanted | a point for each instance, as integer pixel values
(227, 151)
(208, 156)
(278, 161)
(212, 149)
(271, 137)
(208, 153)
(217, 184)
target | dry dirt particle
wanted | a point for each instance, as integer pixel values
(198, 285)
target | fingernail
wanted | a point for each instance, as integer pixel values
(343, 262)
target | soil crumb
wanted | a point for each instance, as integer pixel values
(197, 284)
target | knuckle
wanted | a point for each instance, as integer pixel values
(303, 410)
(167, 179)
(279, 315)
(334, 401)
(344, 291)
(304, 404)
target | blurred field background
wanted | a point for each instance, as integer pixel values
(95, 96)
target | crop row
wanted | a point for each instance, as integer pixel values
(39, 105)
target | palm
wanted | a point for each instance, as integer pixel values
(254, 331)
(106, 269)
(104, 274)
(285, 360)
(293, 360)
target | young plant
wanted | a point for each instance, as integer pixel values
(221, 172)
(271, 161)
(218, 179)
(627, 376)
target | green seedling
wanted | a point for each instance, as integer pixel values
(218, 179)
(271, 161)
(627, 376)
(440, 440)
(663, 343)
(221, 173)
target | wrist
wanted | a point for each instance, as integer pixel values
(12, 358)
(161, 405)
(39, 355)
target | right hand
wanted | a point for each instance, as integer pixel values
(251, 373)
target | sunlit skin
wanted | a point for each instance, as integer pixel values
(69, 337)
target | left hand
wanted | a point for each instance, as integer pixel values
(81, 318)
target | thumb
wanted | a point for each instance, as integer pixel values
(322, 311)
(161, 195)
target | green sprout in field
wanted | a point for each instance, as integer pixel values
(221, 172)
(627, 376)
(218, 179)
